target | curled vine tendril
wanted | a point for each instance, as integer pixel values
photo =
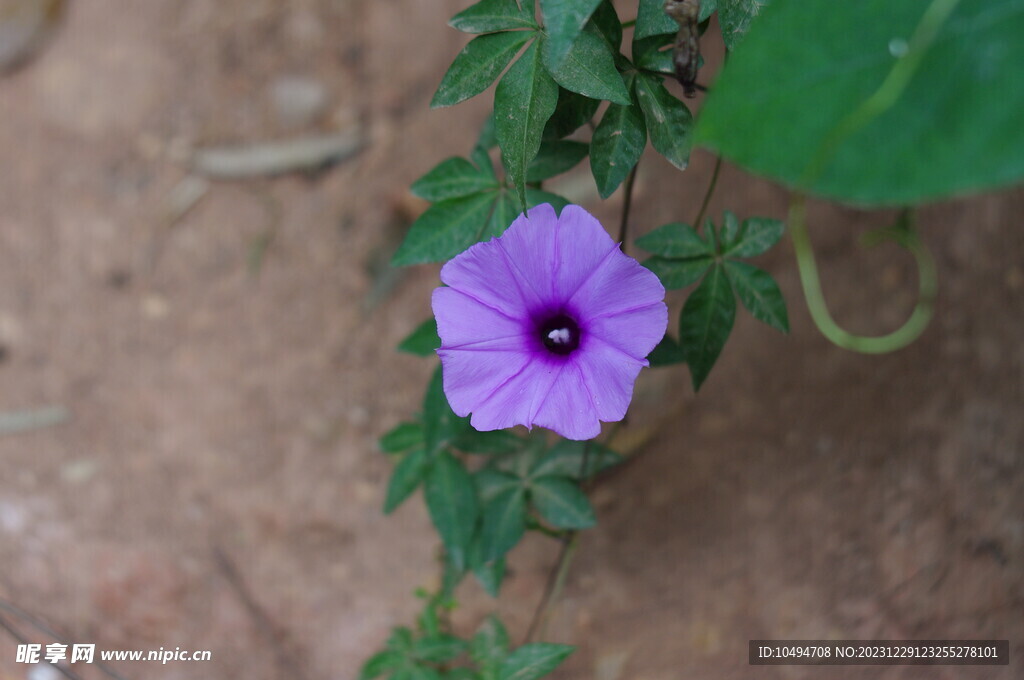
(884, 98)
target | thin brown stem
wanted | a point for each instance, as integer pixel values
(626, 205)
(708, 194)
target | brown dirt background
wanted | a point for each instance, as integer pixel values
(806, 493)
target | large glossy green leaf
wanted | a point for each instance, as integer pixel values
(554, 158)
(588, 68)
(563, 21)
(706, 322)
(782, 105)
(445, 229)
(526, 98)
(669, 122)
(533, 661)
(494, 15)
(406, 477)
(452, 178)
(759, 293)
(503, 523)
(561, 503)
(423, 340)
(477, 65)
(451, 500)
(616, 146)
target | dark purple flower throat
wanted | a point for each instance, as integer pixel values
(560, 334)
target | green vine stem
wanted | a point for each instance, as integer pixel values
(901, 337)
(884, 98)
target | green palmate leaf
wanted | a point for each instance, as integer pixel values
(445, 229)
(407, 476)
(554, 158)
(675, 273)
(561, 503)
(452, 178)
(667, 353)
(535, 197)
(655, 54)
(651, 20)
(423, 341)
(946, 123)
(669, 122)
(564, 21)
(417, 673)
(493, 442)
(526, 98)
(616, 146)
(606, 20)
(565, 459)
(477, 65)
(438, 648)
(729, 231)
(491, 482)
(494, 15)
(506, 209)
(451, 500)
(706, 322)
(533, 661)
(400, 640)
(504, 521)
(675, 240)
(572, 111)
(402, 438)
(759, 293)
(381, 663)
(440, 424)
(734, 17)
(489, 645)
(755, 236)
(588, 68)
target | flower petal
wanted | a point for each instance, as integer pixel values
(528, 247)
(470, 379)
(609, 376)
(567, 407)
(582, 246)
(481, 272)
(463, 320)
(634, 332)
(619, 284)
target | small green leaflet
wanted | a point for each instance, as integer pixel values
(452, 178)
(402, 438)
(494, 15)
(675, 240)
(565, 459)
(445, 229)
(572, 111)
(759, 293)
(406, 477)
(706, 322)
(554, 158)
(667, 353)
(651, 20)
(669, 122)
(734, 17)
(423, 341)
(440, 424)
(616, 146)
(561, 503)
(451, 500)
(533, 661)
(503, 523)
(526, 97)
(564, 20)
(588, 68)
(755, 236)
(477, 65)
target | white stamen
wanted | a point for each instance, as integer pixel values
(560, 336)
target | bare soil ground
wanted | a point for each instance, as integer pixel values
(226, 372)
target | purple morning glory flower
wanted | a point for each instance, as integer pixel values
(547, 325)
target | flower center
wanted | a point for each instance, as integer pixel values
(560, 334)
